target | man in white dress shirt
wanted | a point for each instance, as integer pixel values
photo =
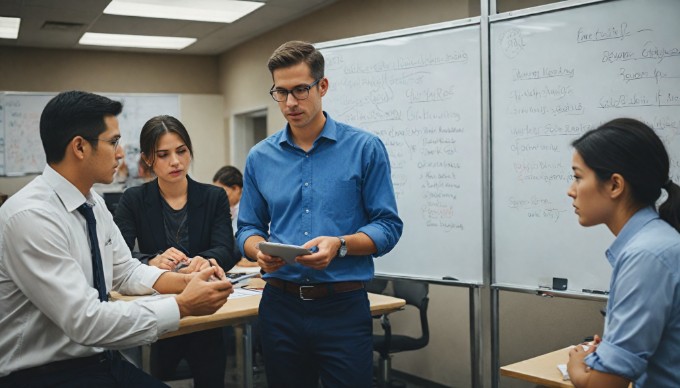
(55, 329)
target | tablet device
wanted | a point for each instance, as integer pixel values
(239, 279)
(287, 252)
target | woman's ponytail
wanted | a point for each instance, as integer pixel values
(669, 211)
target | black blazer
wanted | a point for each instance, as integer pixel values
(139, 216)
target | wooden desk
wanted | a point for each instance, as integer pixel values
(541, 370)
(242, 311)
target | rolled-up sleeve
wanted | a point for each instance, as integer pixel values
(639, 306)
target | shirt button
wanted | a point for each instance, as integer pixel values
(306, 184)
(306, 210)
(306, 233)
(306, 155)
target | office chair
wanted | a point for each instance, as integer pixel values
(415, 294)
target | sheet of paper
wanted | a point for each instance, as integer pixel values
(243, 292)
(563, 370)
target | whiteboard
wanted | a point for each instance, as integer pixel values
(553, 77)
(2, 134)
(420, 92)
(21, 150)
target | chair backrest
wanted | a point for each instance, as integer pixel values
(415, 294)
(376, 286)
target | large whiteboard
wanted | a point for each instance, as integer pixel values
(21, 150)
(553, 77)
(420, 91)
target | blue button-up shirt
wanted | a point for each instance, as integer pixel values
(642, 330)
(341, 186)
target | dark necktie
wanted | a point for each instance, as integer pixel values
(97, 266)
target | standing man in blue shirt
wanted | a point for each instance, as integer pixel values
(326, 186)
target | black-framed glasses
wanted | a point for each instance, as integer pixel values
(114, 142)
(300, 92)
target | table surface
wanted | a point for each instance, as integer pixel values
(240, 310)
(541, 370)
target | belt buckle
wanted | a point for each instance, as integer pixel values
(302, 296)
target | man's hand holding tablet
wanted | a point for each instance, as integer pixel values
(285, 251)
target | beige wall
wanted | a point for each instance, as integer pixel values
(202, 115)
(47, 70)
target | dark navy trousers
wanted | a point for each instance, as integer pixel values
(115, 373)
(304, 341)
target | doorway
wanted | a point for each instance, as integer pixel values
(247, 130)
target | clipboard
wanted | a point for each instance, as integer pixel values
(285, 251)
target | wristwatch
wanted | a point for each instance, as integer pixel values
(342, 251)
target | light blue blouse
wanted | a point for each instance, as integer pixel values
(642, 329)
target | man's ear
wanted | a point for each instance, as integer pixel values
(77, 147)
(323, 86)
(617, 185)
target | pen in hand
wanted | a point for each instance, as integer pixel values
(212, 277)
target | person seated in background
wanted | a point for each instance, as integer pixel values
(177, 221)
(61, 254)
(231, 180)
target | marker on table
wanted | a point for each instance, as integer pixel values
(599, 292)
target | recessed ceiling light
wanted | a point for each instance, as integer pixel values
(220, 11)
(9, 27)
(120, 40)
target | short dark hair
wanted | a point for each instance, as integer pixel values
(156, 127)
(70, 114)
(294, 52)
(631, 148)
(229, 176)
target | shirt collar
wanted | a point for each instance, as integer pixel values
(329, 131)
(69, 195)
(630, 229)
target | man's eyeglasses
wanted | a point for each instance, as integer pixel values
(299, 92)
(114, 142)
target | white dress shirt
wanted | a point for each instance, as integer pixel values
(49, 310)
(234, 217)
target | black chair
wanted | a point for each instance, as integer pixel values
(111, 200)
(415, 294)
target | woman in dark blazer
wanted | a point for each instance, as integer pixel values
(177, 222)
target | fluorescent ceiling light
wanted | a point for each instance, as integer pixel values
(9, 27)
(120, 40)
(220, 11)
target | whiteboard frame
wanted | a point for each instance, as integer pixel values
(398, 33)
(542, 9)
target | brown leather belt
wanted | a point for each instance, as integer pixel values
(314, 291)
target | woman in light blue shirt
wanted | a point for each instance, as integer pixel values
(620, 170)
